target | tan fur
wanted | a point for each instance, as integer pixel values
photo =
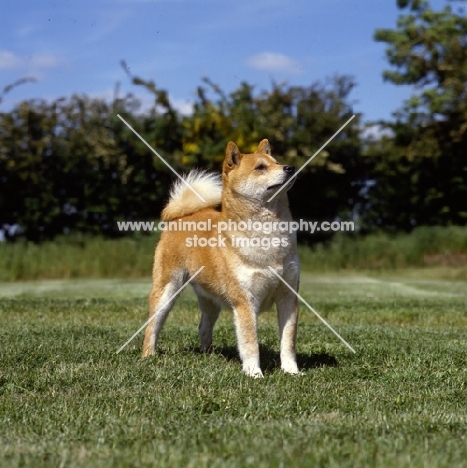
(233, 277)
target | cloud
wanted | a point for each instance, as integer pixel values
(374, 132)
(269, 61)
(11, 61)
(183, 106)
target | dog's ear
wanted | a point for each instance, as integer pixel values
(232, 156)
(264, 147)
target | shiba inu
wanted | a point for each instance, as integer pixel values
(236, 271)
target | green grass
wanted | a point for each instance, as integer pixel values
(67, 399)
(132, 257)
(78, 257)
(423, 247)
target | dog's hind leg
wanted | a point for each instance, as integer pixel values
(209, 315)
(161, 300)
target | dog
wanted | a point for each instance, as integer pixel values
(237, 268)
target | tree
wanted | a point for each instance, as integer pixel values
(420, 173)
(72, 166)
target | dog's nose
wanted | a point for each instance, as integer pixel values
(289, 169)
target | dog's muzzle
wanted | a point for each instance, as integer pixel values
(290, 171)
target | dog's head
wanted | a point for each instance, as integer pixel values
(256, 176)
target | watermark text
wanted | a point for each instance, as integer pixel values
(231, 226)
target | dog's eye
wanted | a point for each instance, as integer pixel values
(260, 167)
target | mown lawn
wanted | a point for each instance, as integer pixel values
(67, 399)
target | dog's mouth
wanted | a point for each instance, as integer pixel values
(276, 185)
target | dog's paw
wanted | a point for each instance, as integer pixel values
(254, 372)
(291, 368)
(147, 352)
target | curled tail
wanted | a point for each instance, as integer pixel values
(184, 201)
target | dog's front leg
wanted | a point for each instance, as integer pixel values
(247, 337)
(287, 314)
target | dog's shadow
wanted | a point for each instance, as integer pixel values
(270, 360)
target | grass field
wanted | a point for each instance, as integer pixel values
(67, 399)
(132, 257)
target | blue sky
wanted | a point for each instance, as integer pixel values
(76, 47)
